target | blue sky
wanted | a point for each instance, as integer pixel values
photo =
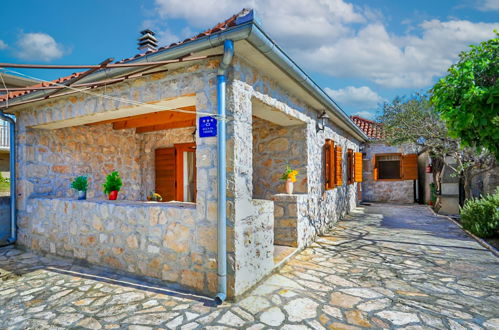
(361, 52)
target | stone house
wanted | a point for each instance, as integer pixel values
(155, 125)
(390, 172)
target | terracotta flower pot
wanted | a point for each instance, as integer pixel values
(289, 186)
(113, 195)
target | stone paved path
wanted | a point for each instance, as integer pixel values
(390, 267)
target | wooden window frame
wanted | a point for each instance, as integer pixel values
(375, 167)
(402, 171)
(178, 153)
(179, 167)
(329, 164)
(338, 157)
(358, 167)
(350, 168)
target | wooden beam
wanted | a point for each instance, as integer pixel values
(176, 124)
(155, 118)
(117, 120)
(116, 65)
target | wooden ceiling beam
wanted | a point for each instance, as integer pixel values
(156, 118)
(152, 114)
(177, 124)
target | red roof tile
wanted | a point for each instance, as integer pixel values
(372, 129)
(217, 28)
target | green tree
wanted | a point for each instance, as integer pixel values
(468, 97)
(414, 120)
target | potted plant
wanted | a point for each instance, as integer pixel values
(155, 197)
(112, 185)
(80, 184)
(290, 177)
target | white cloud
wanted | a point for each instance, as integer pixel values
(487, 5)
(3, 45)
(365, 114)
(342, 40)
(38, 46)
(356, 98)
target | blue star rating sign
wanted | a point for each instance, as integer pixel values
(207, 126)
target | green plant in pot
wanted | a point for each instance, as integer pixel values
(80, 184)
(112, 185)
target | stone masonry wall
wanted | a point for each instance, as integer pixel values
(385, 191)
(324, 208)
(36, 175)
(290, 220)
(274, 147)
(150, 239)
(53, 158)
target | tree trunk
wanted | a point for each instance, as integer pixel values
(467, 179)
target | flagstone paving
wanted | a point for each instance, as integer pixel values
(390, 267)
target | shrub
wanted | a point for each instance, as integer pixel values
(113, 182)
(481, 215)
(80, 183)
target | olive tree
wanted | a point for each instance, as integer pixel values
(468, 97)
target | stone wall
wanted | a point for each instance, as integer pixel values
(323, 208)
(274, 147)
(53, 158)
(254, 245)
(290, 220)
(385, 191)
(150, 239)
(250, 221)
(48, 159)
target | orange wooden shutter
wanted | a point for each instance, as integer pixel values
(350, 173)
(165, 173)
(339, 166)
(358, 167)
(329, 164)
(409, 167)
(375, 168)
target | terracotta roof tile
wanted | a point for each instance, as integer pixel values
(217, 28)
(372, 129)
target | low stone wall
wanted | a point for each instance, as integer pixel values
(159, 240)
(291, 226)
(254, 245)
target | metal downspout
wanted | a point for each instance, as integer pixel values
(222, 174)
(13, 223)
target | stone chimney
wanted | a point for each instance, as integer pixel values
(147, 41)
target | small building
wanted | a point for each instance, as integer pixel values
(155, 125)
(390, 172)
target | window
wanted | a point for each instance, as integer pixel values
(329, 164)
(338, 156)
(388, 167)
(395, 167)
(358, 167)
(350, 173)
(175, 170)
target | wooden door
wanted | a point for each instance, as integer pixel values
(165, 169)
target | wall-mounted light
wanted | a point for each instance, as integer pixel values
(321, 121)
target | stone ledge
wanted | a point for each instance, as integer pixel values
(288, 197)
(120, 202)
